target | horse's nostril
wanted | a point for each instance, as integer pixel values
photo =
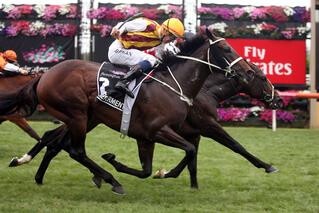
(280, 104)
(277, 104)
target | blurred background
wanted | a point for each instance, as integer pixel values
(276, 35)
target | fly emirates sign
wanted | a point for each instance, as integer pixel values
(283, 61)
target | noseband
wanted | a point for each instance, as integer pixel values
(269, 98)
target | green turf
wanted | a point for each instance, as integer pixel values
(228, 183)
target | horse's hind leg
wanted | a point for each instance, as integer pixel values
(78, 128)
(52, 150)
(48, 137)
(145, 152)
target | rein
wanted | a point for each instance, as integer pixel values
(183, 97)
(189, 101)
(227, 70)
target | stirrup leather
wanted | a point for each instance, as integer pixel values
(124, 87)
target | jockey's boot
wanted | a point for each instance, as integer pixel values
(134, 72)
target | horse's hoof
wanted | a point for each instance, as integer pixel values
(159, 174)
(38, 181)
(14, 162)
(108, 157)
(271, 169)
(194, 186)
(118, 190)
(97, 181)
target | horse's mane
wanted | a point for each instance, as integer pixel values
(5, 74)
(8, 74)
(187, 48)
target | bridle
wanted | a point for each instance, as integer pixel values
(228, 70)
(269, 98)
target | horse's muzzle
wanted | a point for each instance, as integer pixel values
(276, 103)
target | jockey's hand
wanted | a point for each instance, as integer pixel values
(115, 32)
(171, 48)
(23, 71)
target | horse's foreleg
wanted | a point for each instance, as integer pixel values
(145, 152)
(78, 127)
(214, 131)
(169, 137)
(23, 124)
(175, 172)
(54, 147)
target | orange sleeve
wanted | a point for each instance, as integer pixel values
(3, 62)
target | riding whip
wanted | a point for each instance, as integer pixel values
(137, 15)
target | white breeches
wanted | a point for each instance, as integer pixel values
(119, 55)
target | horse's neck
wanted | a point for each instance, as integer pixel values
(224, 90)
(216, 79)
(191, 75)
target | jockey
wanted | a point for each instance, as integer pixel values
(7, 60)
(133, 41)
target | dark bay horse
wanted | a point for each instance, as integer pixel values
(201, 120)
(12, 83)
(68, 92)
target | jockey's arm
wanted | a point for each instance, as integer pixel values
(169, 48)
(13, 68)
(136, 25)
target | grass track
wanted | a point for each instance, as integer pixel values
(228, 183)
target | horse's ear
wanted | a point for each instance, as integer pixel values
(210, 34)
(202, 31)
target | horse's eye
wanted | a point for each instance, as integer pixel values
(227, 49)
(251, 72)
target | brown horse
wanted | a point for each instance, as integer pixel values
(68, 92)
(201, 120)
(12, 83)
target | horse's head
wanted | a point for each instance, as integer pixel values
(223, 55)
(261, 88)
(251, 78)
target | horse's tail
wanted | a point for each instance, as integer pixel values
(23, 100)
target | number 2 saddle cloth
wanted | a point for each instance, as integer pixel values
(108, 75)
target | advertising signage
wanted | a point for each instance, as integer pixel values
(38, 53)
(283, 61)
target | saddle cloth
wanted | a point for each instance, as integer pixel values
(107, 77)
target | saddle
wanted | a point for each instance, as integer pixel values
(109, 74)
